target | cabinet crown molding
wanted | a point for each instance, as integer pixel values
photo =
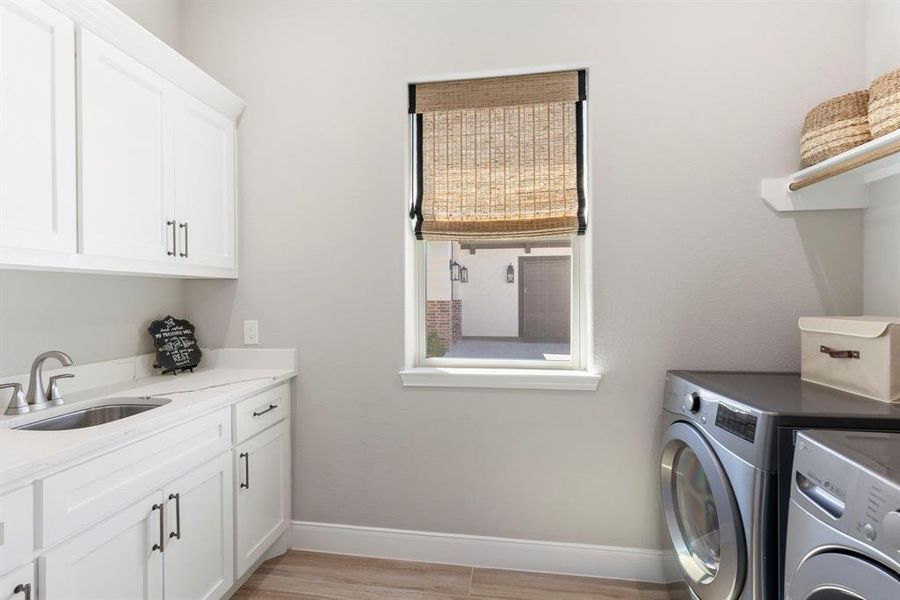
(119, 29)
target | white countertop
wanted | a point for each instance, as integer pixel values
(26, 455)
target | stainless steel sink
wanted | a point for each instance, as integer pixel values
(112, 409)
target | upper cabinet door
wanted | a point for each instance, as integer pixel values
(37, 128)
(204, 184)
(126, 173)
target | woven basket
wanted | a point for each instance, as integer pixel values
(835, 126)
(884, 104)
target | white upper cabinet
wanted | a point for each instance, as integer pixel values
(204, 184)
(145, 184)
(127, 207)
(37, 128)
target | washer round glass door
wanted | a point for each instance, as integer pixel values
(701, 514)
(842, 576)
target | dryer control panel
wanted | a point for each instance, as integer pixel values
(742, 430)
(740, 423)
(857, 496)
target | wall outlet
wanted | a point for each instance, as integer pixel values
(251, 333)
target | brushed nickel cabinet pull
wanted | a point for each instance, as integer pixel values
(262, 412)
(174, 239)
(839, 353)
(177, 533)
(23, 588)
(186, 249)
(162, 527)
(246, 483)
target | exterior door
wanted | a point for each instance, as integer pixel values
(842, 576)
(118, 559)
(199, 556)
(702, 515)
(263, 493)
(545, 298)
(204, 184)
(126, 138)
(37, 128)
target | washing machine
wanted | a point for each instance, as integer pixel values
(727, 451)
(843, 540)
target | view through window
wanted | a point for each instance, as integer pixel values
(499, 299)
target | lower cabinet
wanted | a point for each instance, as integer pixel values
(19, 584)
(118, 559)
(213, 504)
(198, 562)
(262, 484)
(175, 543)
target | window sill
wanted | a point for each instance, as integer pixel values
(511, 379)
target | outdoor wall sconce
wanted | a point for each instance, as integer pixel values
(454, 270)
(463, 275)
(510, 274)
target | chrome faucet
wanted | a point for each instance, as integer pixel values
(17, 404)
(37, 396)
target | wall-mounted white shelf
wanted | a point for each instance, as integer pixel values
(841, 182)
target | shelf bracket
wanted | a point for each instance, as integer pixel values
(837, 183)
(835, 194)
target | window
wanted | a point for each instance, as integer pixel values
(499, 269)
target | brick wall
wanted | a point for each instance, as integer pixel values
(456, 320)
(444, 319)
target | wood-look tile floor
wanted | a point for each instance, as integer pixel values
(312, 576)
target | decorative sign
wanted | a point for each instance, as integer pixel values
(176, 346)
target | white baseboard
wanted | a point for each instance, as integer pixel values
(612, 562)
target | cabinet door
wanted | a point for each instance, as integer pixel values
(199, 557)
(126, 138)
(118, 559)
(37, 127)
(262, 483)
(204, 184)
(22, 579)
(16, 527)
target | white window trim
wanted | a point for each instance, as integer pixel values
(510, 379)
(576, 374)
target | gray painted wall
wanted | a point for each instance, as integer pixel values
(881, 224)
(882, 37)
(162, 18)
(691, 105)
(91, 317)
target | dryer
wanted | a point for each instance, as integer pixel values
(725, 468)
(843, 540)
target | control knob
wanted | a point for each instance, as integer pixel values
(869, 532)
(890, 529)
(692, 402)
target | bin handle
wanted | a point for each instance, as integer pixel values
(839, 353)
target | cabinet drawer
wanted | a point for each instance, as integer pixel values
(16, 528)
(24, 577)
(259, 412)
(86, 493)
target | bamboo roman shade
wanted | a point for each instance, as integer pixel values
(499, 157)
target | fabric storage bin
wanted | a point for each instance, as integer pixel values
(860, 355)
(835, 126)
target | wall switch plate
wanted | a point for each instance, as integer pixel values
(251, 333)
